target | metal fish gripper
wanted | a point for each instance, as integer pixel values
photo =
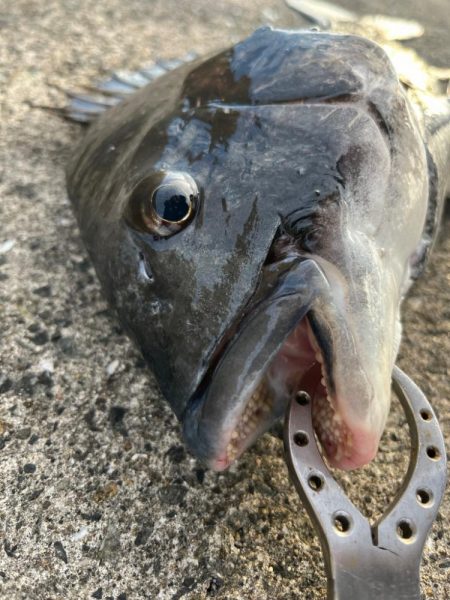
(364, 561)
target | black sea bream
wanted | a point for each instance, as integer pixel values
(257, 217)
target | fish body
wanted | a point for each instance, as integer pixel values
(256, 218)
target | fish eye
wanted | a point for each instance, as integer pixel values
(163, 203)
(172, 203)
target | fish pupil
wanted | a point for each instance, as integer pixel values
(171, 205)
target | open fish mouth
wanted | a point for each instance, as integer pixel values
(298, 368)
(284, 347)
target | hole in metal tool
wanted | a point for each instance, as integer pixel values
(424, 497)
(301, 438)
(426, 415)
(406, 530)
(433, 453)
(316, 482)
(303, 398)
(342, 523)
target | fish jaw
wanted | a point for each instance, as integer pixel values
(299, 339)
(214, 422)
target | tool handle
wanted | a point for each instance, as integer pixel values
(367, 562)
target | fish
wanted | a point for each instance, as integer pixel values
(256, 218)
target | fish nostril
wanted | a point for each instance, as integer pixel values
(144, 268)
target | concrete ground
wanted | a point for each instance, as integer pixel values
(98, 498)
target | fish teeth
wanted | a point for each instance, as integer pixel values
(338, 454)
(257, 407)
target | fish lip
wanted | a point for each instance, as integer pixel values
(213, 410)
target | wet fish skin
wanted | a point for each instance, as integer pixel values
(285, 133)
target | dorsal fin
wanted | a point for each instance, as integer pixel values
(84, 107)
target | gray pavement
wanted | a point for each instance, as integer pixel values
(98, 498)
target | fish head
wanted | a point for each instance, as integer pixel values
(255, 229)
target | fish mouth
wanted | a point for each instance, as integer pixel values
(282, 347)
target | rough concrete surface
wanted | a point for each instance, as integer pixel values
(98, 498)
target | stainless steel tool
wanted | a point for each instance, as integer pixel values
(382, 561)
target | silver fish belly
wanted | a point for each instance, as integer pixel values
(256, 219)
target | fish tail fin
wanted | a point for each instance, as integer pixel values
(85, 106)
(325, 14)
(320, 12)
